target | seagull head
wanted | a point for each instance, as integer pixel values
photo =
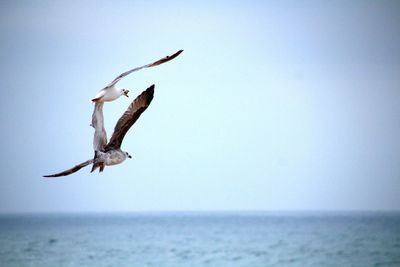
(125, 92)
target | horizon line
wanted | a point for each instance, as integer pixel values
(202, 211)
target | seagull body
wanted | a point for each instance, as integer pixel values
(111, 92)
(109, 158)
(112, 157)
(111, 153)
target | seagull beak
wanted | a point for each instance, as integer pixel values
(126, 93)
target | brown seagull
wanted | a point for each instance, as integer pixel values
(111, 154)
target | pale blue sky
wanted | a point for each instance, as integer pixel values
(280, 105)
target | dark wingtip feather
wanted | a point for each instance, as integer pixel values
(52, 175)
(174, 55)
(151, 88)
(149, 93)
(165, 59)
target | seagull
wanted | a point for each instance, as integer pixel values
(111, 153)
(110, 92)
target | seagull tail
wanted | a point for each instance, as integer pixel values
(97, 164)
(97, 99)
(102, 165)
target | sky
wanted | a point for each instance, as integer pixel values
(273, 105)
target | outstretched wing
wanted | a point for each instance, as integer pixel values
(135, 109)
(72, 170)
(156, 63)
(100, 135)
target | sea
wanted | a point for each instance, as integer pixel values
(174, 239)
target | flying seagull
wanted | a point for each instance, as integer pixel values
(112, 154)
(110, 92)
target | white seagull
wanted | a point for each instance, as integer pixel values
(110, 92)
(111, 154)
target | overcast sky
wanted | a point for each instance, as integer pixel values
(280, 105)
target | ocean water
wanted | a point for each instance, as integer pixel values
(201, 239)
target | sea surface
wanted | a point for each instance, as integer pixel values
(252, 239)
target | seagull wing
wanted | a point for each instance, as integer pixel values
(135, 109)
(156, 63)
(72, 170)
(100, 134)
